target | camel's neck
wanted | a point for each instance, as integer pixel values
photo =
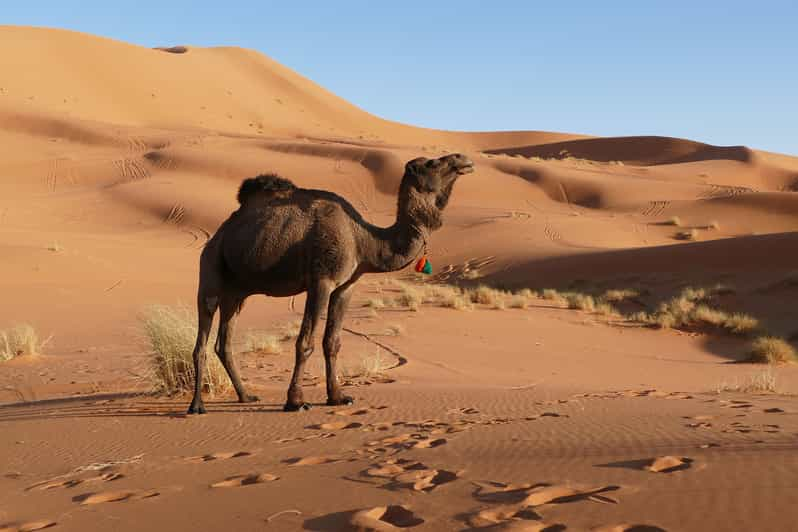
(392, 248)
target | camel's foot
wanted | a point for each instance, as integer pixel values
(341, 400)
(196, 408)
(248, 398)
(292, 407)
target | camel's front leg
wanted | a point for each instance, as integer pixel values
(332, 343)
(318, 298)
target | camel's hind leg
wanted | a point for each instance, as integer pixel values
(228, 314)
(206, 308)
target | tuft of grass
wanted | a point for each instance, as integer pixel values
(674, 220)
(580, 301)
(713, 225)
(485, 295)
(260, 342)
(549, 294)
(409, 297)
(771, 350)
(762, 382)
(519, 301)
(55, 247)
(375, 303)
(171, 333)
(20, 340)
(741, 323)
(613, 296)
(605, 309)
(290, 330)
(527, 293)
(371, 365)
(691, 234)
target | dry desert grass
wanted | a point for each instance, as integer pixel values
(20, 340)
(772, 350)
(260, 342)
(171, 333)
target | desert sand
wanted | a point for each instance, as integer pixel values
(118, 161)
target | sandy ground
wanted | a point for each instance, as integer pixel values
(117, 163)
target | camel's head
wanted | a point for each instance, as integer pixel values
(427, 185)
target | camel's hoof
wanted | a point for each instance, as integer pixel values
(341, 401)
(290, 407)
(249, 399)
(196, 409)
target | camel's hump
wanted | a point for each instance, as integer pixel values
(268, 183)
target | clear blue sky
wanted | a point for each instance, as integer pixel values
(719, 72)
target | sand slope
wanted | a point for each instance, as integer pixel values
(116, 164)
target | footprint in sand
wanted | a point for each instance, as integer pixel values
(629, 528)
(30, 526)
(510, 518)
(773, 411)
(245, 480)
(114, 496)
(669, 464)
(357, 411)
(410, 474)
(313, 460)
(217, 456)
(322, 435)
(71, 483)
(384, 519)
(336, 425)
(526, 495)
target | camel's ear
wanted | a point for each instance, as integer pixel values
(423, 170)
(416, 166)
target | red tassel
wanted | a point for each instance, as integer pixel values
(421, 263)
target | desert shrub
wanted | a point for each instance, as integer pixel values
(674, 220)
(171, 333)
(741, 323)
(485, 295)
(262, 343)
(764, 381)
(612, 296)
(580, 301)
(375, 303)
(519, 301)
(20, 340)
(409, 297)
(771, 350)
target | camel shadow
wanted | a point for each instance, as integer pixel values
(121, 405)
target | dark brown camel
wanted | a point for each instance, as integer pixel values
(284, 240)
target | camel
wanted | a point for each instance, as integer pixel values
(284, 240)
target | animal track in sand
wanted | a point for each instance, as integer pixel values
(30, 526)
(629, 528)
(71, 483)
(322, 435)
(217, 456)
(669, 464)
(336, 425)
(313, 460)
(245, 480)
(540, 494)
(510, 518)
(114, 496)
(384, 518)
(357, 411)
(408, 440)
(410, 474)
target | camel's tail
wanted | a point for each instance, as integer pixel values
(269, 184)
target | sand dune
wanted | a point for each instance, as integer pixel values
(118, 161)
